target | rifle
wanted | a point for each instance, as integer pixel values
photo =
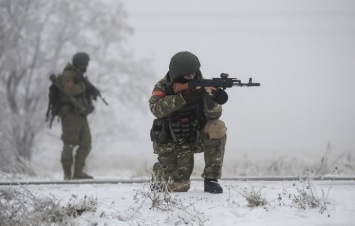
(222, 82)
(91, 89)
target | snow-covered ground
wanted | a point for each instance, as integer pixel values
(131, 203)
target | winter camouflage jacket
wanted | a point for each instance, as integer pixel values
(73, 86)
(163, 105)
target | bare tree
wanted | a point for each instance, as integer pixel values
(38, 37)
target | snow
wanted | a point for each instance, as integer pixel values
(116, 204)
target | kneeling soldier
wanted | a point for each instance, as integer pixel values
(187, 122)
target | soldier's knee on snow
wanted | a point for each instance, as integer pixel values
(215, 129)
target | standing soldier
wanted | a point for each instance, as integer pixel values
(75, 126)
(187, 122)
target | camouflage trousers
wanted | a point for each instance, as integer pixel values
(75, 132)
(176, 159)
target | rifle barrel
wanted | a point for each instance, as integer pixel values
(103, 100)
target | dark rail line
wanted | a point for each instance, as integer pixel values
(119, 181)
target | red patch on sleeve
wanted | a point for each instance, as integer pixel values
(158, 93)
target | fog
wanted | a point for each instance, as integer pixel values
(302, 53)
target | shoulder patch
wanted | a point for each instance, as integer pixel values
(158, 93)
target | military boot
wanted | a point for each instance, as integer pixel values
(78, 171)
(82, 175)
(212, 186)
(79, 164)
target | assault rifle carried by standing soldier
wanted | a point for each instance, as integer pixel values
(91, 89)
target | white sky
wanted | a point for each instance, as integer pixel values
(302, 53)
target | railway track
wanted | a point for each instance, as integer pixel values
(118, 181)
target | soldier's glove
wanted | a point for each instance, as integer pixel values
(192, 96)
(219, 96)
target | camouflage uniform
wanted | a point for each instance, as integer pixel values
(190, 128)
(75, 126)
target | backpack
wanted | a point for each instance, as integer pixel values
(54, 103)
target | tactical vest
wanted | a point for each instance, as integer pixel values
(84, 99)
(185, 123)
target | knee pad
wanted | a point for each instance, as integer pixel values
(216, 129)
